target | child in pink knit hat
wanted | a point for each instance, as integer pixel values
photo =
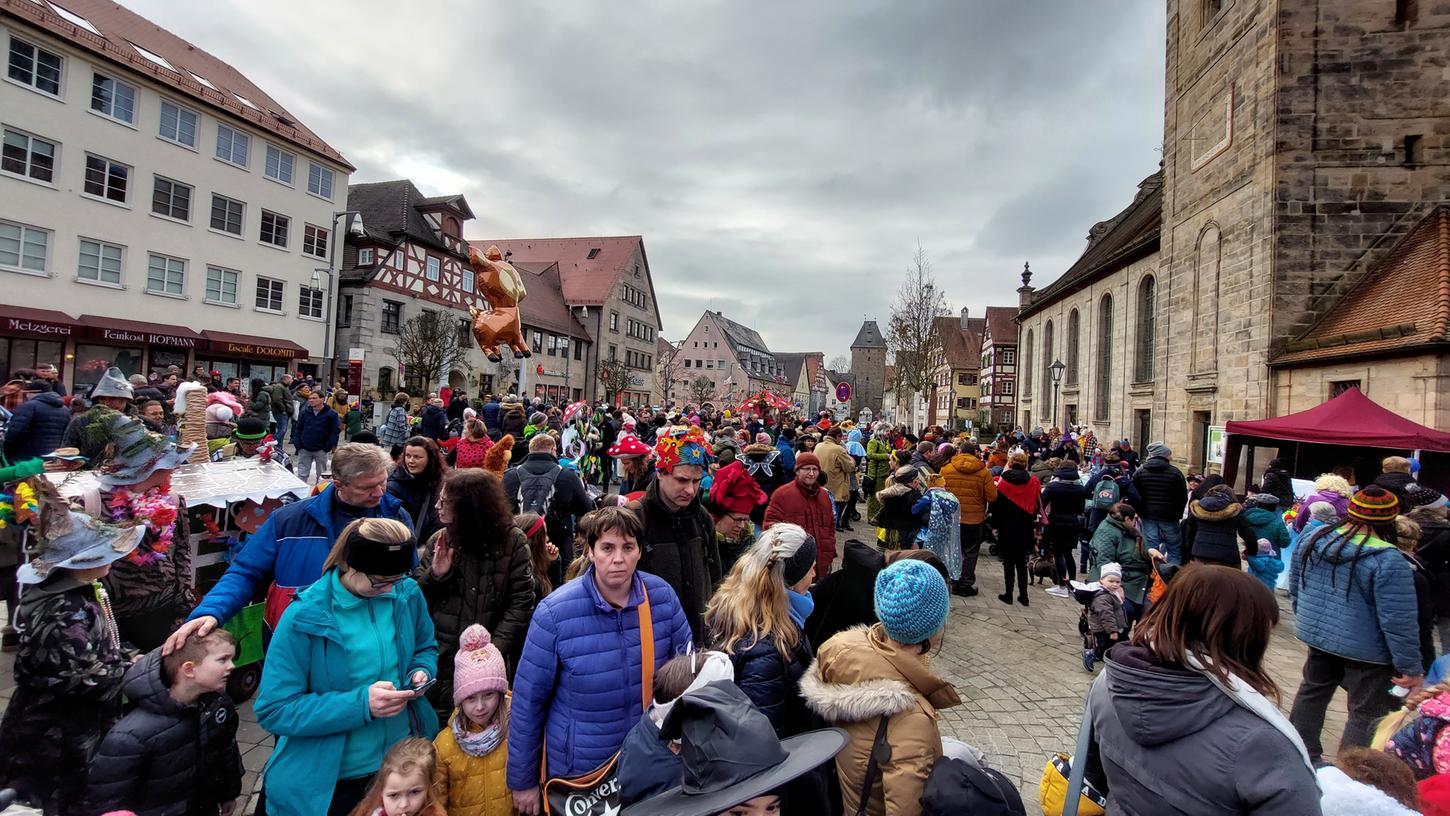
(473, 746)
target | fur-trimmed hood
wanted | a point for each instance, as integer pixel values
(1214, 508)
(854, 702)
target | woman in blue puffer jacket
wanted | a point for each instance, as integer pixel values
(338, 691)
(580, 684)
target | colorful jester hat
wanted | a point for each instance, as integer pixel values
(683, 445)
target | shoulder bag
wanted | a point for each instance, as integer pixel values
(597, 792)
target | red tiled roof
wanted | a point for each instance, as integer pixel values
(1002, 324)
(955, 344)
(120, 28)
(544, 307)
(587, 281)
(1402, 303)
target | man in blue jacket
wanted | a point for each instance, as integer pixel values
(315, 435)
(38, 424)
(287, 551)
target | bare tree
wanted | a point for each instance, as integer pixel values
(840, 363)
(912, 336)
(701, 389)
(430, 344)
(614, 375)
(667, 370)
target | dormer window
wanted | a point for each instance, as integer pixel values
(593, 253)
(450, 227)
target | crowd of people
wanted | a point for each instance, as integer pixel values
(489, 606)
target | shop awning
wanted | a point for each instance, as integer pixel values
(120, 330)
(246, 345)
(1349, 419)
(27, 322)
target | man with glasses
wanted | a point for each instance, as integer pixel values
(289, 549)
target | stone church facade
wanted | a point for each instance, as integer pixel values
(1304, 142)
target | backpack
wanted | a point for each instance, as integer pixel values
(1107, 494)
(955, 787)
(536, 490)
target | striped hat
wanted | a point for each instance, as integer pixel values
(1374, 505)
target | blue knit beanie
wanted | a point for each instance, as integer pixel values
(911, 600)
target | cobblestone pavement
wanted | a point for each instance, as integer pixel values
(1018, 670)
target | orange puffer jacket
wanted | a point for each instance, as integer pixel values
(971, 482)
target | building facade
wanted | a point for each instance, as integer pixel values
(606, 284)
(868, 369)
(997, 399)
(955, 391)
(1303, 143)
(805, 372)
(156, 207)
(732, 357)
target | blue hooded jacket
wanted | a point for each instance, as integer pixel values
(579, 681)
(1357, 602)
(288, 548)
(307, 702)
(787, 455)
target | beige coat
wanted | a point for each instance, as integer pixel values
(857, 678)
(837, 466)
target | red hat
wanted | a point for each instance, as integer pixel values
(734, 491)
(628, 445)
(807, 458)
(1435, 795)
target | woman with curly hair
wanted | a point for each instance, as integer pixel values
(476, 569)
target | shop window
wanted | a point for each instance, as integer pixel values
(19, 353)
(93, 360)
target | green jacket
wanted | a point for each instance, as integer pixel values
(878, 461)
(1115, 543)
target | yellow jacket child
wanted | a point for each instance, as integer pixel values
(473, 747)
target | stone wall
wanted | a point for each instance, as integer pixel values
(868, 374)
(1413, 387)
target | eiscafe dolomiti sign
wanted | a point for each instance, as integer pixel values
(252, 349)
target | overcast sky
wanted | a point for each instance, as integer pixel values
(781, 160)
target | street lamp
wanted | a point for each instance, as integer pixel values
(1055, 370)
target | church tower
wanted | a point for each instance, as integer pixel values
(868, 369)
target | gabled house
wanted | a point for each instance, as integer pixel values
(952, 400)
(997, 401)
(732, 357)
(803, 373)
(606, 283)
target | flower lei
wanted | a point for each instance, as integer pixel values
(157, 511)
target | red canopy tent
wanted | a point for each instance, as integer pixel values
(765, 401)
(1350, 419)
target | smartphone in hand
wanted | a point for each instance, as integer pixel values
(419, 691)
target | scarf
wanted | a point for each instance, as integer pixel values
(1245, 695)
(481, 742)
(801, 606)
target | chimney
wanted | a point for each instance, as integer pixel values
(964, 318)
(1025, 291)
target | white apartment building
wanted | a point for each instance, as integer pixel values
(156, 207)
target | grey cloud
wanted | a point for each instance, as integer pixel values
(781, 160)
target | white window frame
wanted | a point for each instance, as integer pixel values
(433, 268)
(190, 198)
(31, 139)
(278, 219)
(119, 254)
(181, 113)
(283, 157)
(115, 93)
(24, 231)
(326, 181)
(306, 295)
(221, 286)
(105, 194)
(276, 291)
(365, 256)
(222, 230)
(167, 270)
(59, 91)
(470, 280)
(311, 234)
(233, 137)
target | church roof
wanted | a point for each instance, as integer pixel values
(1401, 304)
(1112, 244)
(869, 336)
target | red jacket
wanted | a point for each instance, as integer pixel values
(814, 513)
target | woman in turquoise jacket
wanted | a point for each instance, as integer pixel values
(341, 672)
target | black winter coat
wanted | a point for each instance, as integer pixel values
(570, 500)
(1064, 502)
(67, 692)
(418, 499)
(679, 546)
(434, 424)
(1280, 483)
(1395, 482)
(37, 427)
(489, 584)
(1434, 553)
(1213, 523)
(772, 682)
(846, 597)
(1163, 488)
(1016, 527)
(166, 759)
(1425, 610)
